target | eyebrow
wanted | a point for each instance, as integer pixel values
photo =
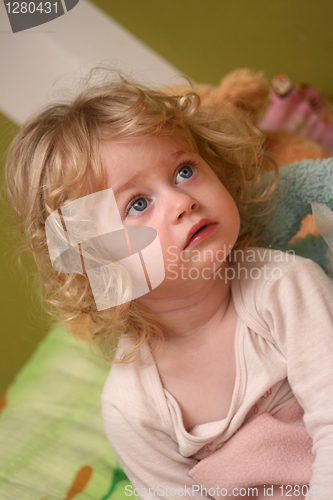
(129, 184)
(132, 182)
(176, 154)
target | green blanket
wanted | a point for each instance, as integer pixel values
(52, 442)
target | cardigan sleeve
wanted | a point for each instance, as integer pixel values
(298, 310)
(149, 455)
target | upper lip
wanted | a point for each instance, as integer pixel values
(194, 229)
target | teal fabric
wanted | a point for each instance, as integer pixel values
(52, 442)
(299, 184)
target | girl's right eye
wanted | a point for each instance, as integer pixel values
(137, 206)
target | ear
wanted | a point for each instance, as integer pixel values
(244, 90)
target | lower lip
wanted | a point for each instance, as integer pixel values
(200, 236)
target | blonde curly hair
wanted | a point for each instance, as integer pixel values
(56, 158)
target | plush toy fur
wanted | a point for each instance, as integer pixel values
(244, 93)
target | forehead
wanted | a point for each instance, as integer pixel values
(128, 162)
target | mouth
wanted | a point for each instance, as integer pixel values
(199, 231)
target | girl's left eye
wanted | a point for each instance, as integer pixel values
(184, 173)
(137, 206)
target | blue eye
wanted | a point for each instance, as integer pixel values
(139, 205)
(184, 173)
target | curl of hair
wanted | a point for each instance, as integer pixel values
(56, 158)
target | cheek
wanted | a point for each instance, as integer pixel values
(163, 237)
(229, 209)
(216, 189)
(234, 213)
(233, 207)
(223, 199)
(237, 221)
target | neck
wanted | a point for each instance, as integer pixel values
(198, 307)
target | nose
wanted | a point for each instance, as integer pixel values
(182, 204)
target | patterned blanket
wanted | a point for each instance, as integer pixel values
(52, 442)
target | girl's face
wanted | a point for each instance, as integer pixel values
(158, 183)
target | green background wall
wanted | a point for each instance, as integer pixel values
(23, 322)
(205, 39)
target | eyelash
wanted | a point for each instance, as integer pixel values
(189, 163)
(133, 200)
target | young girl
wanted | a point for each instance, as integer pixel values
(228, 325)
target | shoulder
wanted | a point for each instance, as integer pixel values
(254, 269)
(262, 278)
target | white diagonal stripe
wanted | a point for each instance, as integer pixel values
(39, 63)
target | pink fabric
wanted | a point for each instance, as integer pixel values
(300, 109)
(271, 450)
